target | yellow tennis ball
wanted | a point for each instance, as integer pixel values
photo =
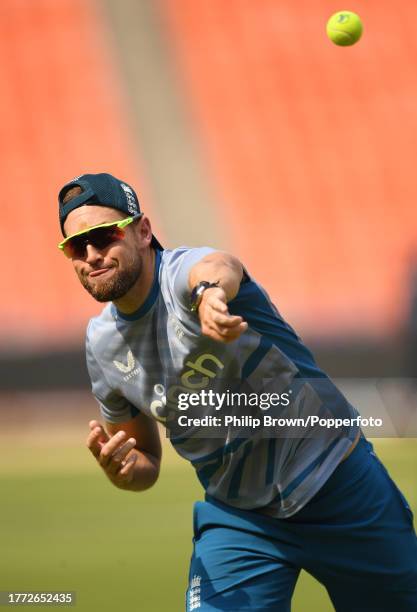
(344, 28)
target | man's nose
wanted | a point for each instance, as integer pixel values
(92, 254)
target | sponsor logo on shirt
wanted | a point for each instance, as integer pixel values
(179, 332)
(128, 368)
(194, 593)
(197, 376)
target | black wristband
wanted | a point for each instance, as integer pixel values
(197, 293)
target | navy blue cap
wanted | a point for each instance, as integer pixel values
(100, 190)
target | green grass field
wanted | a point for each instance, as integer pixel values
(64, 527)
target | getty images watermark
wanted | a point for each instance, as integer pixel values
(269, 421)
(263, 402)
(302, 408)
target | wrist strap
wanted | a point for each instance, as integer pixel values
(197, 293)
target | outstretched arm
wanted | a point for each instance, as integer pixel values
(227, 271)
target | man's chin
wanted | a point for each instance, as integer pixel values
(99, 297)
(109, 286)
(106, 291)
(102, 294)
(100, 291)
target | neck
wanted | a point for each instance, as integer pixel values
(137, 295)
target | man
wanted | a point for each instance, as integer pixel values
(185, 321)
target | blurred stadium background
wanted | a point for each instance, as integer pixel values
(242, 127)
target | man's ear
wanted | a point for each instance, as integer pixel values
(144, 231)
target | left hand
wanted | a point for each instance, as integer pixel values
(216, 321)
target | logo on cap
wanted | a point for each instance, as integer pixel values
(130, 197)
(75, 179)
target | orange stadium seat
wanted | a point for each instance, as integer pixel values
(63, 113)
(310, 148)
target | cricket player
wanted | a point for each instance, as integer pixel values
(180, 322)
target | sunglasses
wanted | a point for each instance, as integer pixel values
(99, 236)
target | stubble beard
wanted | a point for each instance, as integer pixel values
(115, 287)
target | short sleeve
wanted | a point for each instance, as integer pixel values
(177, 268)
(114, 408)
